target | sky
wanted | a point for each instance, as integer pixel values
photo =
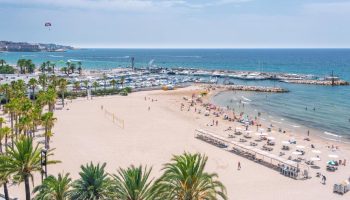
(179, 23)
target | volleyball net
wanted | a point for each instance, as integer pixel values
(114, 118)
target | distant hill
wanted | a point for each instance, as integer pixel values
(32, 47)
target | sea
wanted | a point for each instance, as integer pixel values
(324, 108)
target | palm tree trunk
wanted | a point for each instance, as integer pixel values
(33, 93)
(27, 187)
(0, 147)
(12, 130)
(63, 98)
(6, 192)
(46, 138)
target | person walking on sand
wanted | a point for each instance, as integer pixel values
(239, 166)
(324, 179)
(308, 132)
(149, 108)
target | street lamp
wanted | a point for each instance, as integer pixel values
(43, 163)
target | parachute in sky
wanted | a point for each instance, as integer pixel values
(48, 25)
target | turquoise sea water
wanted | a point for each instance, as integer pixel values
(332, 104)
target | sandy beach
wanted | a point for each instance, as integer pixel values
(150, 132)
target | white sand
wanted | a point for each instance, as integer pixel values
(84, 133)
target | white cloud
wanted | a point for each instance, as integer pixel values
(121, 4)
(334, 8)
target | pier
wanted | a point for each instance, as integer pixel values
(318, 82)
(257, 88)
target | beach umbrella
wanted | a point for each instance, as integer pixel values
(315, 159)
(331, 162)
(285, 142)
(296, 153)
(316, 151)
(270, 138)
(300, 147)
(333, 156)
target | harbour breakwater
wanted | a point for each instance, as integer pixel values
(318, 82)
(254, 88)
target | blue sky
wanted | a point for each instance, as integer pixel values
(179, 23)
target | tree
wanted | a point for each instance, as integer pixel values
(184, 178)
(86, 85)
(4, 179)
(80, 68)
(72, 67)
(54, 188)
(22, 161)
(93, 183)
(48, 121)
(21, 64)
(122, 81)
(65, 70)
(113, 83)
(95, 85)
(62, 86)
(132, 183)
(31, 68)
(2, 62)
(76, 86)
(43, 67)
(43, 81)
(53, 65)
(48, 98)
(32, 84)
(104, 81)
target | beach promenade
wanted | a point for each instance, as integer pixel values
(155, 127)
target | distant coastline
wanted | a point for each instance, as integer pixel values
(9, 46)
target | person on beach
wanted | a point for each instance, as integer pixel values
(149, 108)
(324, 179)
(308, 132)
(217, 122)
(239, 166)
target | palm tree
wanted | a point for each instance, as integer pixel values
(48, 121)
(31, 68)
(43, 81)
(4, 179)
(54, 188)
(86, 85)
(21, 64)
(32, 84)
(93, 184)
(43, 67)
(2, 137)
(2, 121)
(95, 85)
(76, 86)
(24, 124)
(72, 67)
(184, 178)
(132, 183)
(122, 81)
(104, 81)
(80, 67)
(62, 86)
(22, 161)
(7, 132)
(65, 70)
(6, 90)
(113, 83)
(53, 65)
(48, 98)
(2, 61)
